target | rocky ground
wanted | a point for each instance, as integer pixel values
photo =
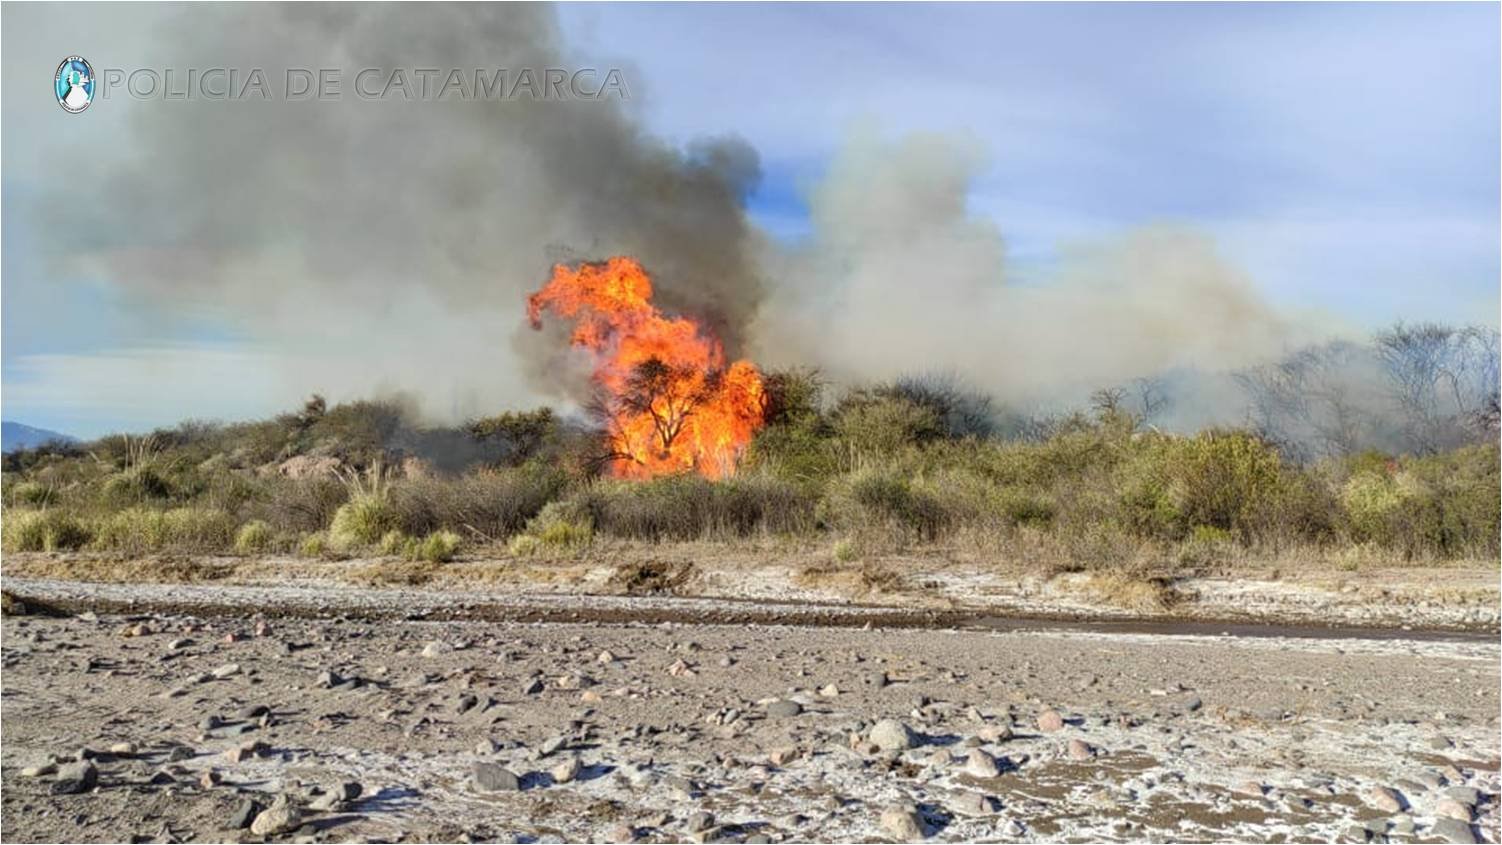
(356, 719)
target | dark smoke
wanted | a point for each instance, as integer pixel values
(401, 237)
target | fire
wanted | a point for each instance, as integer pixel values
(669, 401)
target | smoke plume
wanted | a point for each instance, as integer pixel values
(390, 245)
(395, 237)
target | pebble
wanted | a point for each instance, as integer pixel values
(491, 777)
(1386, 799)
(75, 778)
(901, 823)
(566, 771)
(1454, 830)
(700, 821)
(784, 709)
(280, 817)
(891, 735)
(532, 687)
(1449, 808)
(244, 813)
(435, 649)
(975, 804)
(226, 670)
(38, 771)
(981, 765)
(1080, 751)
(1050, 721)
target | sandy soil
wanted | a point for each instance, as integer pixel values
(692, 730)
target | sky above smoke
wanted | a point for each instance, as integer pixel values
(1095, 195)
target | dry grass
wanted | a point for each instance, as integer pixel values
(1140, 595)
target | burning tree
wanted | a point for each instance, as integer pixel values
(668, 400)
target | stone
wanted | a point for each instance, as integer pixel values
(566, 770)
(1386, 799)
(979, 764)
(552, 745)
(975, 804)
(1251, 788)
(532, 687)
(492, 777)
(282, 816)
(1050, 721)
(605, 657)
(435, 649)
(75, 778)
(227, 670)
(891, 735)
(782, 755)
(40, 770)
(123, 749)
(1449, 808)
(254, 711)
(829, 691)
(244, 813)
(878, 679)
(1465, 794)
(1454, 830)
(784, 709)
(902, 824)
(995, 733)
(699, 821)
(1078, 750)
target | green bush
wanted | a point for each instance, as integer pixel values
(689, 507)
(438, 547)
(393, 542)
(561, 526)
(254, 536)
(362, 521)
(188, 529)
(884, 501)
(135, 486)
(1226, 480)
(42, 531)
(31, 493)
(315, 544)
(495, 503)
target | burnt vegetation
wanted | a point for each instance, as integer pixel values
(1350, 454)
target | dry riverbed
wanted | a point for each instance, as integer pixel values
(182, 712)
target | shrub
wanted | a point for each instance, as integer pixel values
(561, 525)
(297, 506)
(254, 536)
(1226, 480)
(31, 493)
(845, 550)
(315, 544)
(689, 507)
(885, 502)
(393, 542)
(361, 521)
(42, 531)
(438, 547)
(495, 503)
(136, 485)
(524, 545)
(189, 529)
(872, 428)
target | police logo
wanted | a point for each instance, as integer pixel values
(74, 84)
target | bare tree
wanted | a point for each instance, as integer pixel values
(1444, 381)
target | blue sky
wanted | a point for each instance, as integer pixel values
(1344, 156)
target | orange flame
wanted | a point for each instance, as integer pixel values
(669, 401)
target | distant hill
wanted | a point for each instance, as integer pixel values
(14, 435)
